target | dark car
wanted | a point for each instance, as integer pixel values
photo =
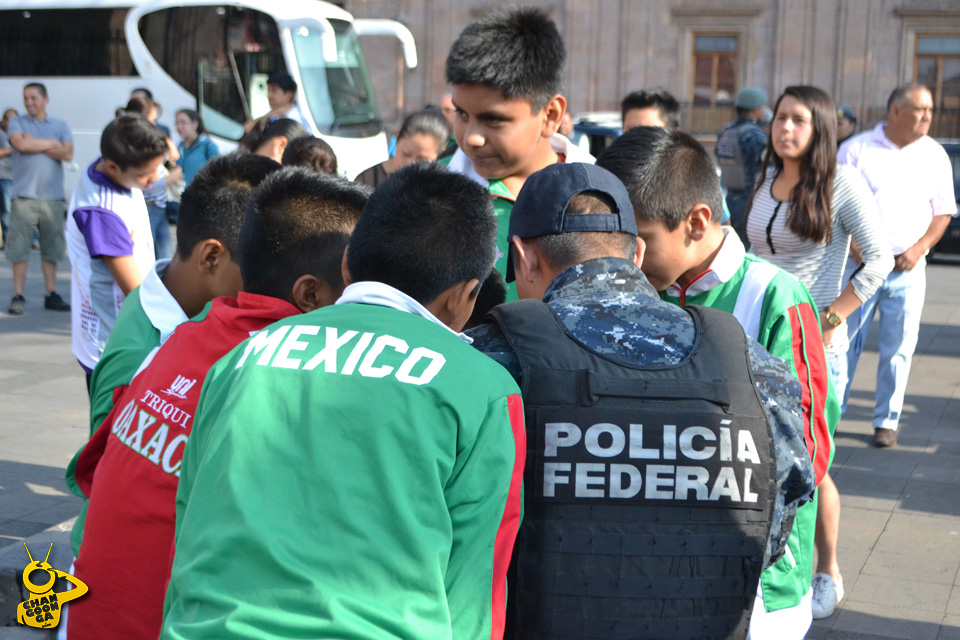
(950, 242)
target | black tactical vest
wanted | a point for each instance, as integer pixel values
(648, 491)
(733, 164)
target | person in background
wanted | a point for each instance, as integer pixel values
(143, 92)
(568, 131)
(450, 114)
(270, 139)
(912, 182)
(40, 145)
(156, 196)
(312, 153)
(657, 109)
(846, 124)
(6, 173)
(108, 231)
(282, 97)
(739, 151)
(649, 109)
(804, 213)
(422, 137)
(196, 148)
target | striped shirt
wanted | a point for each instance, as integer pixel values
(820, 266)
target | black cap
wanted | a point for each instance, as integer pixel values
(539, 209)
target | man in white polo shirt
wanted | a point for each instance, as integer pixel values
(912, 180)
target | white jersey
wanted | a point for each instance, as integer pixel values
(104, 220)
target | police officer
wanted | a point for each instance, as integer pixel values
(739, 152)
(665, 456)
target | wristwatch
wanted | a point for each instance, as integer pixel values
(833, 318)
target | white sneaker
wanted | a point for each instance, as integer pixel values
(826, 595)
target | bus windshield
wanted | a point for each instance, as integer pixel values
(339, 94)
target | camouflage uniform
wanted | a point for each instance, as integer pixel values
(608, 305)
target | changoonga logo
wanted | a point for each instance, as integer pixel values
(180, 387)
(42, 610)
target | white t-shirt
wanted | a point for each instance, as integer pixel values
(104, 220)
(911, 184)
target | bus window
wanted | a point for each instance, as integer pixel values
(219, 54)
(339, 94)
(64, 42)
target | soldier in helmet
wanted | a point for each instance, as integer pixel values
(665, 456)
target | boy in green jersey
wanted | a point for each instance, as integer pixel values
(692, 260)
(355, 472)
(507, 74)
(203, 268)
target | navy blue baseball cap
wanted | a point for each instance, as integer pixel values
(539, 209)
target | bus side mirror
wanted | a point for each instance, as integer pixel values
(371, 27)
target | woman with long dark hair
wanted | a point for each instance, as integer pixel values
(805, 210)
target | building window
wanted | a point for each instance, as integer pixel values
(937, 65)
(715, 64)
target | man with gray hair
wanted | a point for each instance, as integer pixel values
(911, 178)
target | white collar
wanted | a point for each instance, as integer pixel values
(162, 309)
(384, 295)
(724, 266)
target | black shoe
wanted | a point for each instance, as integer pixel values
(17, 305)
(884, 438)
(54, 302)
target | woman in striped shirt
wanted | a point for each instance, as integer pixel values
(804, 212)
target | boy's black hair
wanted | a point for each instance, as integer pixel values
(493, 291)
(666, 173)
(283, 80)
(312, 153)
(665, 104)
(518, 51)
(264, 131)
(131, 141)
(298, 222)
(214, 203)
(424, 230)
(144, 91)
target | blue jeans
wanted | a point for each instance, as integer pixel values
(900, 303)
(161, 231)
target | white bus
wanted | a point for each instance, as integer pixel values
(207, 55)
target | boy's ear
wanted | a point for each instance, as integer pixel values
(279, 145)
(344, 270)
(641, 251)
(698, 221)
(210, 254)
(454, 306)
(310, 292)
(553, 113)
(111, 167)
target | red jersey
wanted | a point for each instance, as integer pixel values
(130, 468)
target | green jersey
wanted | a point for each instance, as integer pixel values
(352, 472)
